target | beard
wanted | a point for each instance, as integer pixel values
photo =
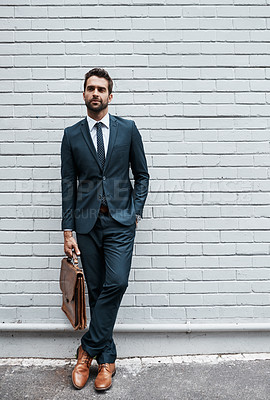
(98, 108)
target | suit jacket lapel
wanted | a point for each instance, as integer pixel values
(88, 139)
(113, 134)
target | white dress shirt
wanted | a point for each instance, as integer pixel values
(105, 130)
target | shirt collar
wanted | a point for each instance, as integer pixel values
(91, 122)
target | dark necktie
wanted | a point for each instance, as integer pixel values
(101, 154)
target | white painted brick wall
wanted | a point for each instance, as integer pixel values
(194, 75)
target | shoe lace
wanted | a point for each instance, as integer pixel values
(86, 359)
(105, 366)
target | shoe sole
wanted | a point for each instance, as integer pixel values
(77, 387)
(108, 387)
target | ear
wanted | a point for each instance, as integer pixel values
(83, 95)
(110, 97)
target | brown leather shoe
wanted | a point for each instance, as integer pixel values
(104, 378)
(80, 373)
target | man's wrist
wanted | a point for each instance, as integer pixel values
(67, 233)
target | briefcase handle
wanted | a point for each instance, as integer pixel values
(74, 258)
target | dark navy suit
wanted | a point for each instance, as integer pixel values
(105, 240)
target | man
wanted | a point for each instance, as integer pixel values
(103, 210)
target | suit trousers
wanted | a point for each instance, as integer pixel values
(106, 254)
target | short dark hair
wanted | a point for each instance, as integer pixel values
(101, 73)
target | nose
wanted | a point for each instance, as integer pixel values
(95, 92)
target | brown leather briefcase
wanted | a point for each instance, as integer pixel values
(72, 287)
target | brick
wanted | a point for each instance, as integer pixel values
(235, 261)
(220, 223)
(31, 36)
(29, 314)
(252, 299)
(141, 262)
(144, 237)
(6, 61)
(48, 73)
(183, 223)
(185, 299)
(167, 287)
(168, 313)
(219, 148)
(32, 237)
(203, 237)
(128, 301)
(9, 187)
(153, 249)
(185, 249)
(234, 287)
(198, 287)
(168, 262)
(46, 300)
(45, 274)
(202, 312)
(203, 211)
(151, 275)
(169, 237)
(219, 275)
(16, 275)
(7, 314)
(151, 299)
(212, 249)
(185, 148)
(59, 60)
(138, 287)
(16, 249)
(71, 11)
(151, 48)
(139, 314)
(250, 23)
(48, 24)
(185, 274)
(186, 173)
(15, 300)
(9, 98)
(45, 249)
(183, 48)
(253, 274)
(222, 299)
(261, 312)
(30, 12)
(7, 12)
(235, 312)
(236, 236)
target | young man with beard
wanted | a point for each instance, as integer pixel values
(103, 210)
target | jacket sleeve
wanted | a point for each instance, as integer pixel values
(139, 170)
(68, 184)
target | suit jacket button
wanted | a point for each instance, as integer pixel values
(104, 178)
(99, 196)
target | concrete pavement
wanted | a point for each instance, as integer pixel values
(211, 377)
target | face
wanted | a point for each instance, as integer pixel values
(96, 95)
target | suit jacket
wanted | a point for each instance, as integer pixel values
(79, 162)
